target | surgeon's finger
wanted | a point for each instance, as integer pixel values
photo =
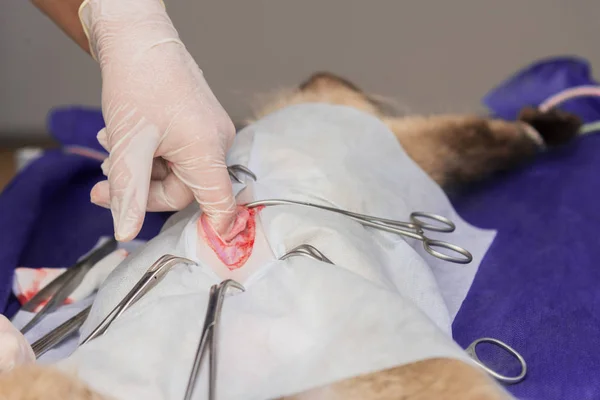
(14, 348)
(129, 179)
(208, 179)
(160, 169)
(169, 194)
(100, 194)
(103, 139)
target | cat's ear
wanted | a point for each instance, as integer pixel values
(555, 126)
(327, 81)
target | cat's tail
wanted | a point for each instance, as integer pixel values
(556, 127)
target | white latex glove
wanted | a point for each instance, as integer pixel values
(14, 348)
(156, 103)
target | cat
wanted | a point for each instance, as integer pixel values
(454, 150)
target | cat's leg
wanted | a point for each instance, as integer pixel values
(456, 150)
(424, 380)
(38, 382)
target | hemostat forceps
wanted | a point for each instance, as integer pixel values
(149, 280)
(57, 291)
(213, 313)
(233, 170)
(413, 229)
(308, 251)
(471, 351)
(60, 333)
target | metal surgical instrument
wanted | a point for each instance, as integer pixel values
(147, 282)
(208, 338)
(233, 170)
(472, 352)
(308, 250)
(57, 291)
(413, 229)
(60, 333)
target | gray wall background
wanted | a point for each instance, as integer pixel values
(429, 55)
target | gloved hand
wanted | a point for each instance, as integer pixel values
(157, 107)
(14, 349)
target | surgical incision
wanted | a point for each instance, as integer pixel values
(235, 248)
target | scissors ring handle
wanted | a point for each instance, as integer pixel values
(430, 246)
(442, 224)
(472, 352)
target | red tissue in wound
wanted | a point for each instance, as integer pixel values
(235, 248)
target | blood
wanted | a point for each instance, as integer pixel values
(28, 294)
(235, 248)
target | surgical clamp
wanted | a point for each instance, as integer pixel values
(60, 333)
(147, 282)
(413, 229)
(57, 291)
(208, 338)
(233, 170)
(308, 250)
(471, 351)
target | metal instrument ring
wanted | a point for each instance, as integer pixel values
(472, 352)
(442, 224)
(430, 245)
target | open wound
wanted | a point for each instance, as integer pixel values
(235, 248)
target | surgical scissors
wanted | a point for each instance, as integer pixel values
(57, 291)
(413, 229)
(147, 282)
(208, 338)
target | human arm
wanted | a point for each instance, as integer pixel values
(159, 112)
(64, 13)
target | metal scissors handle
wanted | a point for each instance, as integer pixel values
(208, 338)
(57, 291)
(413, 229)
(472, 352)
(147, 282)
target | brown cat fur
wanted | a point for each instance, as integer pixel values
(433, 379)
(453, 150)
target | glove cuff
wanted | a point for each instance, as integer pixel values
(85, 17)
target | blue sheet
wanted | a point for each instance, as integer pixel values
(46, 217)
(538, 288)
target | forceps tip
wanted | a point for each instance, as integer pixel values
(232, 169)
(231, 283)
